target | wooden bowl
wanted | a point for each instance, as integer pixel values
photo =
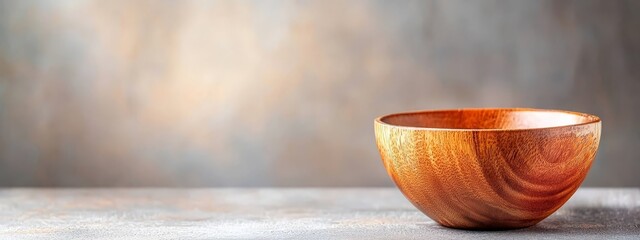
(488, 168)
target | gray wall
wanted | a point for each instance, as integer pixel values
(283, 93)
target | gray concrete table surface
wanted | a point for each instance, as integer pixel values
(283, 213)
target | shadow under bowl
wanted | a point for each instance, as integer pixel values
(488, 168)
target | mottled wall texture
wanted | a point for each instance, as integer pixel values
(284, 93)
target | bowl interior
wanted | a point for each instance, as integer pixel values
(488, 119)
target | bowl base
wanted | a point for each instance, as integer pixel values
(497, 227)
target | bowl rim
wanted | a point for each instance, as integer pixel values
(594, 119)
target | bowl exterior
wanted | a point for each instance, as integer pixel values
(479, 179)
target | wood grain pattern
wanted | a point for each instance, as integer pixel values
(488, 168)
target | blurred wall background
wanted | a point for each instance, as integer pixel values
(284, 93)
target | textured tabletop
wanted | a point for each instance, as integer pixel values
(322, 213)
